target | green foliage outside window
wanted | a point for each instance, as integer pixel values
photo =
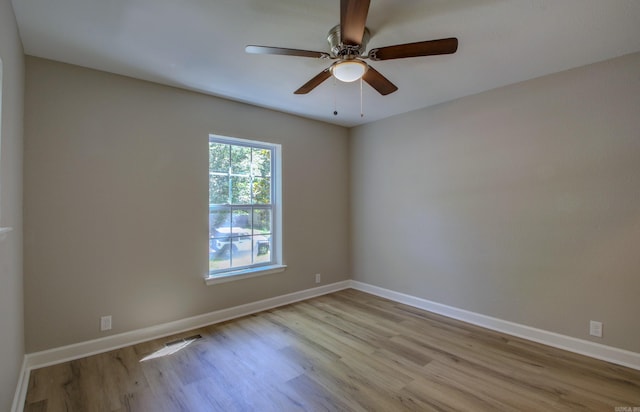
(239, 175)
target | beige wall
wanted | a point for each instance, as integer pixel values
(11, 296)
(521, 203)
(116, 202)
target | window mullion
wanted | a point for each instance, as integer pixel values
(229, 170)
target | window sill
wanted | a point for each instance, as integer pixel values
(244, 274)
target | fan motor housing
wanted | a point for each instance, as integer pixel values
(338, 49)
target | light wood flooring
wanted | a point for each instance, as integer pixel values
(347, 351)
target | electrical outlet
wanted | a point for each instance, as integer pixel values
(105, 323)
(318, 278)
(595, 328)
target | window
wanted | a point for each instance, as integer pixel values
(244, 208)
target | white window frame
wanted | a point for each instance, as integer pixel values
(276, 265)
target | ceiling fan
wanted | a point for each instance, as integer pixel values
(348, 42)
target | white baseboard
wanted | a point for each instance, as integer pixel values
(80, 350)
(580, 346)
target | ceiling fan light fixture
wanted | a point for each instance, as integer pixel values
(349, 70)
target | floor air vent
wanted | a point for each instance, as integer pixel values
(172, 347)
(187, 340)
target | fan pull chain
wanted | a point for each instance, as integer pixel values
(335, 100)
(361, 111)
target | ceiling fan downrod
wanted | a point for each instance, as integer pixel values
(340, 49)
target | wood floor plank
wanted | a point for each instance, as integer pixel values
(346, 351)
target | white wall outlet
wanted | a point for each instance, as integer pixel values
(318, 278)
(595, 328)
(105, 323)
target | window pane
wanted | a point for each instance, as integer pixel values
(219, 241)
(261, 190)
(219, 259)
(218, 157)
(240, 190)
(241, 222)
(218, 190)
(241, 251)
(219, 223)
(240, 160)
(261, 221)
(261, 165)
(262, 249)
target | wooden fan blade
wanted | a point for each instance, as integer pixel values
(421, 48)
(315, 82)
(285, 52)
(379, 82)
(353, 18)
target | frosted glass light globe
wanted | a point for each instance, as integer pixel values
(349, 70)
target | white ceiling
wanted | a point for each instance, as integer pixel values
(199, 45)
